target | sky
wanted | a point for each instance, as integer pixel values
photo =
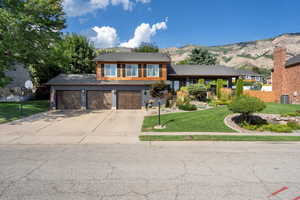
(175, 23)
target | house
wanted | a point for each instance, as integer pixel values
(250, 76)
(286, 76)
(14, 90)
(123, 80)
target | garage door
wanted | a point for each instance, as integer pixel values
(129, 100)
(99, 99)
(68, 99)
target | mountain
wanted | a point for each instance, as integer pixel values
(254, 53)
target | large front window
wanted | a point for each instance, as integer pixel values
(110, 70)
(152, 70)
(132, 70)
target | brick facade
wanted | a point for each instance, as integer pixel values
(285, 79)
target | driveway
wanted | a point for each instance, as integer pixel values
(68, 127)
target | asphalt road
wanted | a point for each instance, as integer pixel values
(205, 170)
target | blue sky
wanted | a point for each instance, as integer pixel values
(176, 23)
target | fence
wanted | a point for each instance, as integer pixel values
(263, 95)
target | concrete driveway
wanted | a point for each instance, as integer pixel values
(71, 127)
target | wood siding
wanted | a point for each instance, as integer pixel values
(141, 71)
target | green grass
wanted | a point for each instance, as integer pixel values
(250, 138)
(11, 111)
(275, 108)
(210, 120)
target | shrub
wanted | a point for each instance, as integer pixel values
(291, 114)
(239, 87)
(246, 105)
(182, 97)
(198, 91)
(219, 87)
(187, 107)
(201, 81)
(293, 125)
(279, 128)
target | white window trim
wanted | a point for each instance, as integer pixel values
(126, 70)
(148, 65)
(110, 65)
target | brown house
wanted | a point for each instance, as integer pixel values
(286, 76)
(123, 81)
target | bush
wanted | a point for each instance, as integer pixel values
(279, 128)
(182, 97)
(157, 89)
(246, 105)
(293, 125)
(219, 87)
(239, 87)
(198, 91)
(187, 107)
(291, 114)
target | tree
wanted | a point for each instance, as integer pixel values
(202, 57)
(74, 54)
(219, 88)
(246, 105)
(147, 47)
(28, 28)
(239, 87)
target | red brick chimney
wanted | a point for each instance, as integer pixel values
(278, 76)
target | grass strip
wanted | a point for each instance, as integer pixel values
(250, 138)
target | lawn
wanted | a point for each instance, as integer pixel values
(250, 138)
(11, 111)
(211, 120)
(275, 108)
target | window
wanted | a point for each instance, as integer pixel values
(110, 70)
(153, 70)
(132, 70)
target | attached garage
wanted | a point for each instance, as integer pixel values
(67, 99)
(129, 100)
(99, 100)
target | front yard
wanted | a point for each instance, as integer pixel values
(11, 111)
(211, 120)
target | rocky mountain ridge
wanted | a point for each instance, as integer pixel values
(254, 53)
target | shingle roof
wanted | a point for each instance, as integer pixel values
(292, 61)
(90, 79)
(133, 56)
(202, 70)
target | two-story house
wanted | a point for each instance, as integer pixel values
(123, 80)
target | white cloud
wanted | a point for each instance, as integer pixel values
(106, 37)
(144, 33)
(75, 8)
(143, 1)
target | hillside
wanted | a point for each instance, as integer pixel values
(255, 53)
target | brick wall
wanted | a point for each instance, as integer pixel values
(262, 95)
(285, 80)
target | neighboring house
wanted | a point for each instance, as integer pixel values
(286, 76)
(123, 80)
(251, 76)
(13, 91)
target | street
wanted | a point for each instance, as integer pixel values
(167, 171)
